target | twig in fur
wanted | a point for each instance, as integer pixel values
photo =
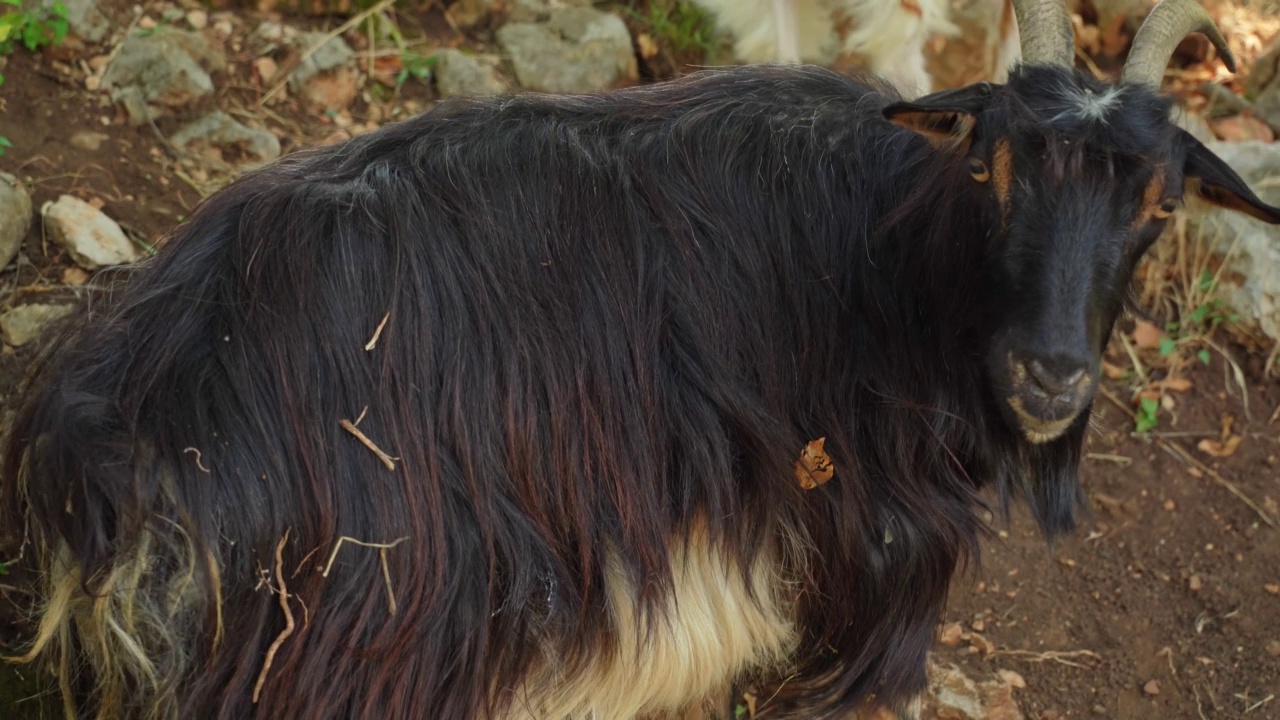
(386, 459)
(199, 464)
(377, 333)
(288, 620)
(382, 552)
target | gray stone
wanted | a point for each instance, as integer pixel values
(166, 68)
(1251, 247)
(535, 10)
(91, 238)
(22, 324)
(15, 216)
(955, 696)
(467, 75)
(1264, 87)
(332, 55)
(85, 18)
(220, 130)
(577, 50)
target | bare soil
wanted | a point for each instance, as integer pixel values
(1165, 604)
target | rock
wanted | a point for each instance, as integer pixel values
(23, 324)
(1273, 648)
(327, 78)
(85, 18)
(198, 19)
(88, 140)
(15, 216)
(1152, 687)
(1251, 281)
(577, 50)
(167, 68)
(468, 13)
(954, 696)
(1013, 679)
(468, 75)
(219, 130)
(333, 54)
(89, 236)
(535, 10)
(951, 635)
(1264, 86)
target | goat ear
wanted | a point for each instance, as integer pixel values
(945, 117)
(1220, 185)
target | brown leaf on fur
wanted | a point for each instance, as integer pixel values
(814, 466)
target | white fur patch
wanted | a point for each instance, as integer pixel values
(681, 665)
(1084, 104)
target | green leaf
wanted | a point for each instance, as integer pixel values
(59, 9)
(1204, 356)
(1147, 419)
(15, 3)
(1167, 346)
(739, 710)
(1206, 281)
(3, 570)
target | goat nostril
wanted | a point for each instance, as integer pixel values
(1052, 382)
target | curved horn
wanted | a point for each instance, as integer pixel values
(1045, 27)
(1166, 26)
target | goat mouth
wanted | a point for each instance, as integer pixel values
(1039, 430)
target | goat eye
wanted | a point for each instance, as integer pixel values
(979, 170)
(1166, 208)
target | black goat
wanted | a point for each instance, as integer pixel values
(603, 328)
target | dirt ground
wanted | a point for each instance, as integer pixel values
(1164, 604)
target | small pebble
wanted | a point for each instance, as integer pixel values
(1152, 687)
(1273, 648)
(1169, 505)
(1012, 678)
(951, 634)
(199, 19)
(1195, 583)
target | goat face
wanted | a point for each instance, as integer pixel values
(1074, 179)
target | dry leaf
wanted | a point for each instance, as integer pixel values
(1227, 421)
(981, 644)
(814, 466)
(1114, 372)
(74, 276)
(1146, 335)
(1222, 449)
(1177, 384)
(648, 48)
(1238, 128)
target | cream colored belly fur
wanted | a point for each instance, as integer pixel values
(682, 666)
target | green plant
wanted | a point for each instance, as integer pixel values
(1147, 417)
(415, 66)
(682, 25)
(35, 28)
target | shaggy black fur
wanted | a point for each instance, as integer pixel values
(612, 318)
